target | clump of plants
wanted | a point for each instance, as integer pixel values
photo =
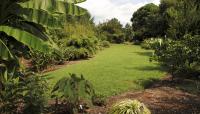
(105, 44)
(41, 61)
(74, 93)
(98, 100)
(129, 107)
(80, 48)
(180, 56)
(23, 95)
(151, 43)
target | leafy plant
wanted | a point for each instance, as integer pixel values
(73, 90)
(25, 95)
(41, 61)
(23, 24)
(34, 95)
(105, 44)
(98, 100)
(129, 107)
(80, 48)
(151, 43)
(180, 56)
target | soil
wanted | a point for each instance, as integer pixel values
(160, 98)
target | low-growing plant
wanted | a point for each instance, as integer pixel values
(80, 48)
(73, 91)
(41, 61)
(98, 100)
(151, 43)
(105, 44)
(23, 95)
(129, 107)
(34, 94)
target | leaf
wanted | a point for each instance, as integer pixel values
(73, 1)
(42, 17)
(54, 7)
(26, 38)
(5, 53)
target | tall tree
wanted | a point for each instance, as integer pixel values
(145, 22)
(113, 30)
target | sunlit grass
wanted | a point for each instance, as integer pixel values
(114, 70)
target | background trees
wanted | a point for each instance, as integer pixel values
(178, 21)
(146, 22)
(113, 30)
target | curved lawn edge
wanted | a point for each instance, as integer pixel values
(115, 70)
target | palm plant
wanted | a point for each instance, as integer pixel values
(24, 24)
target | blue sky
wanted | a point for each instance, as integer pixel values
(102, 10)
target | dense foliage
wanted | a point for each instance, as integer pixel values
(113, 31)
(180, 56)
(146, 22)
(23, 96)
(177, 21)
(73, 91)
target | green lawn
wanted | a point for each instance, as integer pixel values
(114, 70)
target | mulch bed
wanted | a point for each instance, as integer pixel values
(160, 98)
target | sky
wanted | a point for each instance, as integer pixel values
(103, 10)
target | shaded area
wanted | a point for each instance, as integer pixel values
(144, 53)
(150, 68)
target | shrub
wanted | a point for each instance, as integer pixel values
(105, 44)
(72, 53)
(41, 61)
(26, 96)
(129, 107)
(151, 43)
(80, 48)
(72, 91)
(34, 94)
(179, 56)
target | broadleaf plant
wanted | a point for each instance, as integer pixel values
(24, 25)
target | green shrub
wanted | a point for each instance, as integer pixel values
(80, 48)
(151, 43)
(26, 96)
(129, 107)
(72, 91)
(41, 61)
(105, 44)
(180, 56)
(35, 98)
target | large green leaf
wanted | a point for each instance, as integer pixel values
(42, 17)
(73, 1)
(5, 53)
(26, 38)
(53, 6)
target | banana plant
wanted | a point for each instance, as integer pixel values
(26, 22)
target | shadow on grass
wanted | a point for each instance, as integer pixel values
(143, 53)
(148, 68)
(147, 83)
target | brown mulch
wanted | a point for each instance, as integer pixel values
(161, 98)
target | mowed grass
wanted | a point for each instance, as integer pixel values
(114, 70)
